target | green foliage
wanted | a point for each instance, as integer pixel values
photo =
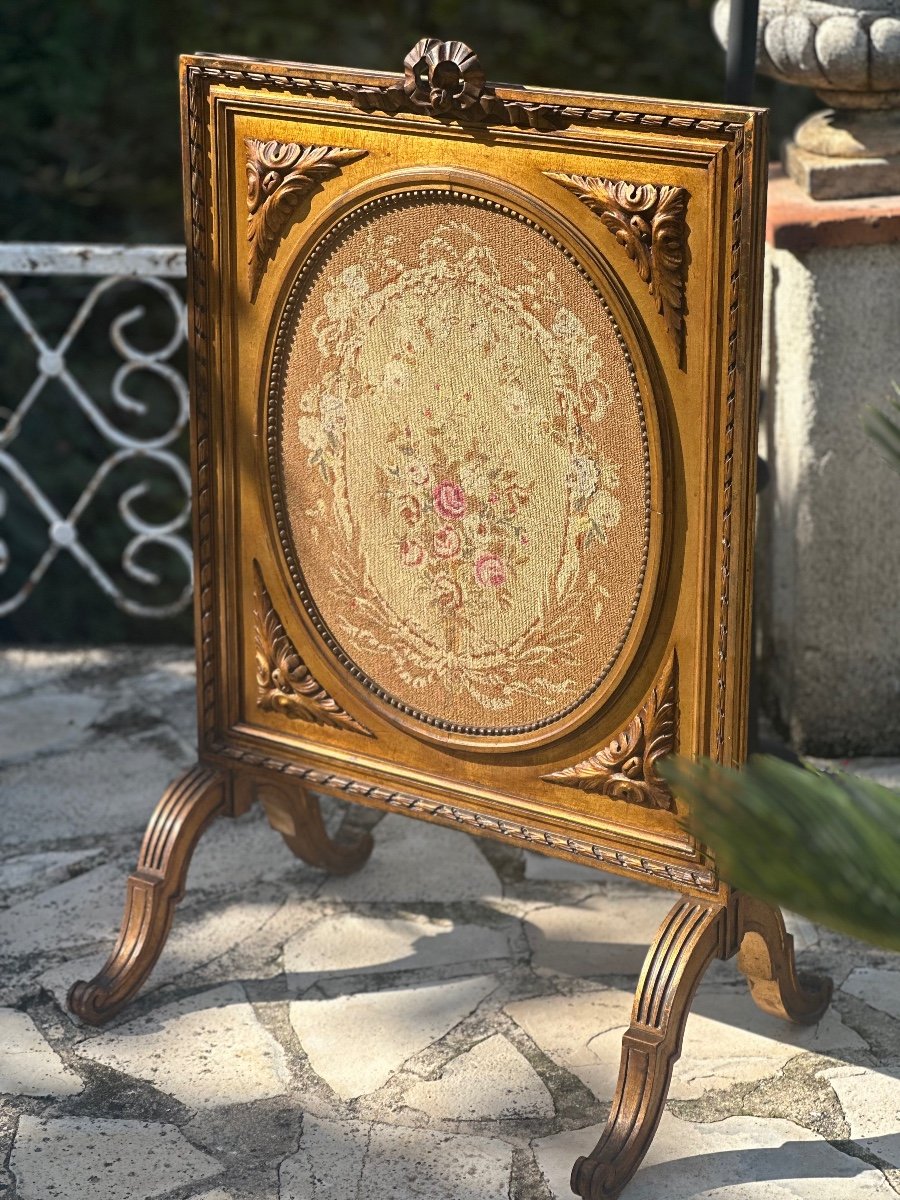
(824, 845)
(89, 90)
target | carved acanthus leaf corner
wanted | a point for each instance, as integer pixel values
(648, 221)
(279, 176)
(625, 769)
(284, 682)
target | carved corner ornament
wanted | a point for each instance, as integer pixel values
(284, 682)
(625, 769)
(648, 221)
(279, 177)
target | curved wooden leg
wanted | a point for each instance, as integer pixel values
(296, 815)
(766, 957)
(154, 889)
(692, 935)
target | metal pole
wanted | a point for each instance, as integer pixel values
(740, 70)
(740, 60)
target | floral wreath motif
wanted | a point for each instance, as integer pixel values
(461, 540)
(456, 519)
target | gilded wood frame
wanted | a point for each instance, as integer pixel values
(661, 205)
(727, 146)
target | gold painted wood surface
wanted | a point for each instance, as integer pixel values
(505, 145)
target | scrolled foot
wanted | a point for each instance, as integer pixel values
(593, 1180)
(766, 957)
(153, 891)
(600, 1178)
(297, 816)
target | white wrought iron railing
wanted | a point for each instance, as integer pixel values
(106, 269)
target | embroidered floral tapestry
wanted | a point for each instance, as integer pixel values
(463, 462)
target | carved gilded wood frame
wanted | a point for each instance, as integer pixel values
(662, 202)
(651, 212)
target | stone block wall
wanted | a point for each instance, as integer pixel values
(828, 564)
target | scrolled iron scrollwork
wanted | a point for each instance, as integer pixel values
(156, 452)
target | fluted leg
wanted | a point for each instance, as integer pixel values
(154, 889)
(296, 815)
(766, 957)
(692, 935)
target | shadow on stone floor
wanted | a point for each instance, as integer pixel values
(789, 1163)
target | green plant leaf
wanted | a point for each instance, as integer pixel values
(823, 845)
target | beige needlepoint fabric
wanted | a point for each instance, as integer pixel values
(463, 460)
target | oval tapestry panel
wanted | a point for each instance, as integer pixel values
(460, 459)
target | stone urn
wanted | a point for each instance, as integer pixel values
(849, 52)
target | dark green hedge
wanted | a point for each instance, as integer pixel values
(89, 93)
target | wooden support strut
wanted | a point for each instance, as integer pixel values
(157, 884)
(153, 890)
(692, 935)
(296, 815)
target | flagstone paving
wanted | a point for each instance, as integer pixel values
(728, 1040)
(444, 1025)
(492, 1081)
(353, 943)
(207, 1050)
(59, 1158)
(357, 1042)
(28, 1064)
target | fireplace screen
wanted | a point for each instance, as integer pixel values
(473, 431)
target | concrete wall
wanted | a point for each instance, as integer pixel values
(828, 581)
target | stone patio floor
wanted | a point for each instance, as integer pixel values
(444, 1025)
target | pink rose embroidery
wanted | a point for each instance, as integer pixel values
(490, 571)
(449, 500)
(446, 542)
(410, 509)
(411, 553)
